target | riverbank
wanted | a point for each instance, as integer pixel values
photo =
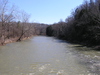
(87, 44)
(95, 47)
(11, 40)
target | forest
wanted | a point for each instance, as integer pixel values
(15, 25)
(82, 26)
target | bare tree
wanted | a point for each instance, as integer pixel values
(6, 12)
(6, 16)
(25, 27)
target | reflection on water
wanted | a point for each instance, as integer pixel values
(46, 56)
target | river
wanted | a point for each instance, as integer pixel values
(43, 55)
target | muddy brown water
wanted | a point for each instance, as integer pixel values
(43, 55)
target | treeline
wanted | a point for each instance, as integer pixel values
(14, 24)
(82, 26)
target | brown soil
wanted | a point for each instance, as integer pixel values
(10, 40)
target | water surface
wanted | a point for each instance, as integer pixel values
(43, 55)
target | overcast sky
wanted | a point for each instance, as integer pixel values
(47, 11)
